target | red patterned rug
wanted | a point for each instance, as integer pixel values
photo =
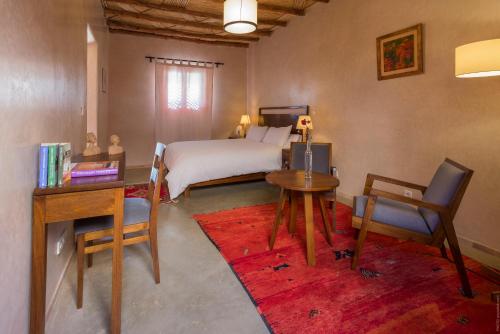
(399, 286)
(141, 191)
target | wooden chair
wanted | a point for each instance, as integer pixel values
(322, 163)
(429, 221)
(139, 225)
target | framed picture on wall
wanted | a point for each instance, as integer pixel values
(104, 81)
(400, 53)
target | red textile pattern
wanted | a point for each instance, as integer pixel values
(399, 286)
(141, 191)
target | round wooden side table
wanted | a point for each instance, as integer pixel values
(291, 183)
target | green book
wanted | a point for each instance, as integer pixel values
(63, 163)
(51, 163)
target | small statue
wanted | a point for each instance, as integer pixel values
(114, 148)
(92, 148)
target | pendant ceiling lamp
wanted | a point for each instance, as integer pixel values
(240, 16)
(479, 59)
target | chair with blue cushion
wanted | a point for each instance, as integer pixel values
(139, 225)
(429, 221)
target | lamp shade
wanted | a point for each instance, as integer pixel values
(245, 120)
(304, 122)
(240, 16)
(479, 59)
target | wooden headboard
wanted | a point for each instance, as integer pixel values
(282, 116)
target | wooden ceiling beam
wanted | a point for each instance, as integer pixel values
(172, 32)
(281, 9)
(109, 13)
(186, 39)
(180, 10)
(168, 8)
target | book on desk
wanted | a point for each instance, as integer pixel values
(55, 167)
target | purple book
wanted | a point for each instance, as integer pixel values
(99, 168)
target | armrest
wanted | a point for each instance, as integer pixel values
(431, 206)
(371, 178)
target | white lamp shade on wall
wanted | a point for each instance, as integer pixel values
(240, 16)
(479, 59)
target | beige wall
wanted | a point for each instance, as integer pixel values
(42, 93)
(402, 127)
(132, 89)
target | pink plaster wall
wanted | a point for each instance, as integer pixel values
(403, 127)
(132, 89)
(42, 93)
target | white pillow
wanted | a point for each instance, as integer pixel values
(277, 136)
(292, 139)
(256, 133)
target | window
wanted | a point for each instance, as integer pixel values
(184, 89)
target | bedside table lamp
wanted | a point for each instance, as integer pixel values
(304, 123)
(479, 59)
(245, 121)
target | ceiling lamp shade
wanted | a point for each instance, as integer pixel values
(479, 59)
(240, 16)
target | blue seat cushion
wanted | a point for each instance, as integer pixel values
(136, 210)
(441, 191)
(393, 213)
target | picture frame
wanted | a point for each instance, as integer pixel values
(400, 53)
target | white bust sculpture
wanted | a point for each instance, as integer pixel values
(114, 148)
(92, 148)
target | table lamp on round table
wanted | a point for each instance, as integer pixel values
(304, 123)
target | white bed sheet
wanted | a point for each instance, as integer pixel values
(190, 162)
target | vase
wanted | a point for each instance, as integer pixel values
(308, 158)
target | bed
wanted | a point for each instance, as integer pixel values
(193, 164)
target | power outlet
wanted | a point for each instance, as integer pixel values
(408, 193)
(335, 172)
(60, 243)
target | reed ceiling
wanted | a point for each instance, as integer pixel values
(197, 20)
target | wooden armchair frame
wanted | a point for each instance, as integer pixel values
(445, 230)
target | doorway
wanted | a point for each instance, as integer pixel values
(92, 82)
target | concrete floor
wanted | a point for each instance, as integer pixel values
(198, 292)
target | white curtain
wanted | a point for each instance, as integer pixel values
(183, 103)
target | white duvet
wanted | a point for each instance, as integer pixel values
(190, 162)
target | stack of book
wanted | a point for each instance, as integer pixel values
(97, 168)
(54, 164)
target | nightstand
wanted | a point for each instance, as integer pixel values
(285, 158)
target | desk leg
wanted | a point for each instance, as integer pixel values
(117, 263)
(308, 215)
(38, 267)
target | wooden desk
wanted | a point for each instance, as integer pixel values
(79, 198)
(293, 182)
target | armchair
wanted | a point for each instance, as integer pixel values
(428, 221)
